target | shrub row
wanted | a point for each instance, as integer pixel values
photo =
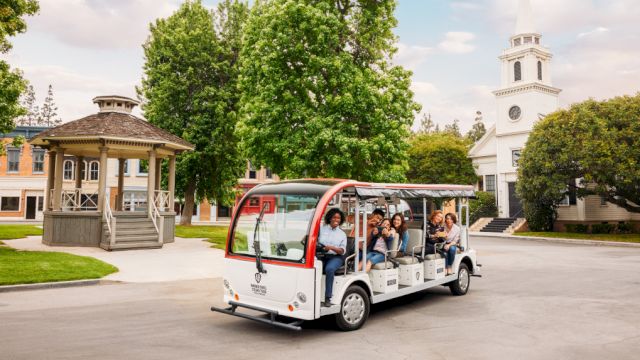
(622, 228)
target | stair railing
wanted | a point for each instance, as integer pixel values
(110, 220)
(158, 221)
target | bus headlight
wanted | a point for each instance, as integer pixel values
(302, 297)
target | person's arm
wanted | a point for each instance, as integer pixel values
(405, 241)
(342, 246)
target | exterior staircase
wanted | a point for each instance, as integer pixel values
(499, 225)
(133, 230)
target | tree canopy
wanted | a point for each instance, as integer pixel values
(440, 158)
(189, 89)
(12, 13)
(597, 142)
(320, 97)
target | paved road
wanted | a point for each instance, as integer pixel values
(536, 301)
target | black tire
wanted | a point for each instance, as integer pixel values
(354, 309)
(461, 285)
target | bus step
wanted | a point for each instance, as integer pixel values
(231, 310)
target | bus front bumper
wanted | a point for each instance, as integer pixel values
(271, 320)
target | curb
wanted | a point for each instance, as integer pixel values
(560, 240)
(55, 285)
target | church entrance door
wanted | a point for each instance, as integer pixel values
(515, 205)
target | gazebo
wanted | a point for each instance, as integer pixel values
(79, 217)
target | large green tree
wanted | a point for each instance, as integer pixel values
(320, 95)
(190, 89)
(440, 158)
(12, 13)
(597, 142)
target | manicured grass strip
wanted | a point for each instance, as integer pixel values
(217, 235)
(634, 238)
(28, 267)
(8, 232)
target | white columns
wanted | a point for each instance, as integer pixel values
(158, 184)
(119, 199)
(50, 179)
(151, 181)
(79, 166)
(172, 180)
(57, 192)
(102, 178)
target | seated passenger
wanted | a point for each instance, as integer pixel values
(378, 243)
(400, 226)
(435, 232)
(372, 221)
(334, 242)
(453, 239)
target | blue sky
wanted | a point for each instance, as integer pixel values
(86, 48)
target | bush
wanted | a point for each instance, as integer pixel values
(540, 216)
(483, 206)
(576, 228)
(602, 228)
(625, 228)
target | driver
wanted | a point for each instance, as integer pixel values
(334, 242)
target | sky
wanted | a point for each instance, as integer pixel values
(86, 48)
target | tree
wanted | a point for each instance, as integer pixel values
(440, 158)
(453, 128)
(49, 112)
(426, 124)
(595, 142)
(28, 102)
(320, 95)
(190, 89)
(477, 130)
(11, 82)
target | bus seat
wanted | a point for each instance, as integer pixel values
(381, 266)
(433, 256)
(348, 256)
(413, 244)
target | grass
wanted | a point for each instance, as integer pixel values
(8, 232)
(28, 267)
(217, 235)
(634, 238)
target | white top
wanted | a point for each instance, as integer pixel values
(453, 235)
(332, 237)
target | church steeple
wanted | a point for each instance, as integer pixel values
(524, 24)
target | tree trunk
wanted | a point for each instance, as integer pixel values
(189, 202)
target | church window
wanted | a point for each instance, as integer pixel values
(490, 183)
(516, 42)
(539, 70)
(537, 41)
(527, 39)
(517, 71)
(515, 157)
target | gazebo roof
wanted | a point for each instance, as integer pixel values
(111, 125)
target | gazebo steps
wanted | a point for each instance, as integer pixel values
(133, 231)
(132, 245)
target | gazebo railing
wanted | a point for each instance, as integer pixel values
(161, 200)
(77, 199)
(110, 220)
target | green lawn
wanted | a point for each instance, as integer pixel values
(217, 235)
(8, 232)
(635, 238)
(28, 267)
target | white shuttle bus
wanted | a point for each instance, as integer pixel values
(273, 261)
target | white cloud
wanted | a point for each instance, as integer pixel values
(99, 23)
(598, 30)
(411, 56)
(457, 42)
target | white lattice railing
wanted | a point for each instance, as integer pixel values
(77, 199)
(161, 200)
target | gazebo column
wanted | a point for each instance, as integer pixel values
(57, 187)
(50, 178)
(119, 199)
(151, 181)
(158, 174)
(79, 166)
(102, 178)
(172, 180)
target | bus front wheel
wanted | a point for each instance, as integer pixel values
(354, 309)
(461, 285)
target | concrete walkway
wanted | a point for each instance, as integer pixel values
(185, 259)
(555, 240)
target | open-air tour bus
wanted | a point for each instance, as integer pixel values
(272, 262)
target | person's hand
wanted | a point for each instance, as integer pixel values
(385, 232)
(447, 246)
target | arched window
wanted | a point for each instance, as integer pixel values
(94, 170)
(517, 71)
(539, 70)
(68, 170)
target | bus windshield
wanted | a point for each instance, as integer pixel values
(281, 233)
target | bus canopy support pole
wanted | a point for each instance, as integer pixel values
(424, 225)
(357, 232)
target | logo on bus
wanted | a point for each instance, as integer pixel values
(258, 277)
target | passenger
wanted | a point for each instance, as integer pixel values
(334, 242)
(400, 226)
(453, 239)
(372, 222)
(435, 232)
(378, 244)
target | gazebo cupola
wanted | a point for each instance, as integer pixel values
(77, 217)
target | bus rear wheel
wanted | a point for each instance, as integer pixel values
(461, 285)
(354, 309)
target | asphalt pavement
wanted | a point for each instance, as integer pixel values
(535, 301)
